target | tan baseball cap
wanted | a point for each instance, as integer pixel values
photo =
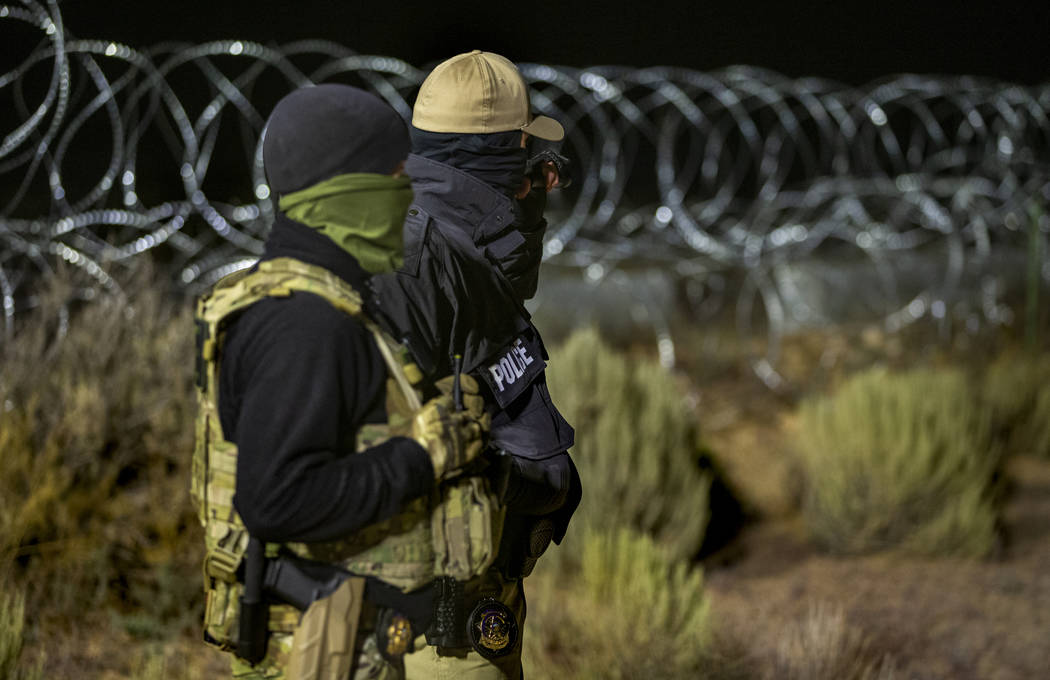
(479, 92)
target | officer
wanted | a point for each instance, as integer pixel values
(317, 472)
(473, 245)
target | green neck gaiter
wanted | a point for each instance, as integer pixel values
(362, 212)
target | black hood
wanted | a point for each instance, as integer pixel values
(458, 198)
(450, 297)
(508, 232)
(446, 299)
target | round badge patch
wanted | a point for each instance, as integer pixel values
(493, 629)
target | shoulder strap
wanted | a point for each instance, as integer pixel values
(281, 277)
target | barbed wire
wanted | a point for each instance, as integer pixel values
(117, 153)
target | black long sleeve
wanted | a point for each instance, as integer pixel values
(298, 378)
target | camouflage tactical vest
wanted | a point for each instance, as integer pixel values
(454, 531)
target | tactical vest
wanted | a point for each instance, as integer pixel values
(455, 531)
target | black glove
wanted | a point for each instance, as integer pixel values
(563, 164)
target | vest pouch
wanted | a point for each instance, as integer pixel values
(466, 527)
(220, 613)
(221, 620)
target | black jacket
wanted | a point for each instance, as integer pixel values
(450, 297)
(297, 380)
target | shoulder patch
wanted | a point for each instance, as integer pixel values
(513, 368)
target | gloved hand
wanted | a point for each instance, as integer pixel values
(545, 171)
(549, 169)
(473, 402)
(452, 438)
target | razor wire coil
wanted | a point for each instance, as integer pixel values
(740, 171)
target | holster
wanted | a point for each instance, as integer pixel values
(252, 632)
(323, 644)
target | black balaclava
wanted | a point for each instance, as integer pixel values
(496, 158)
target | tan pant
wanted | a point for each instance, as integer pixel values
(441, 663)
(436, 663)
(370, 665)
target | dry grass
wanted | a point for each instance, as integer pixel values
(823, 646)
(13, 665)
(619, 599)
(96, 431)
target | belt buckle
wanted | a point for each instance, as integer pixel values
(222, 564)
(493, 629)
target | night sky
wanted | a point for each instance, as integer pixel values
(853, 42)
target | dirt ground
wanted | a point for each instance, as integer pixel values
(934, 619)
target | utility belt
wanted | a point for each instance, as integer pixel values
(468, 617)
(328, 597)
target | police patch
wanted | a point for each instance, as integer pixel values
(514, 368)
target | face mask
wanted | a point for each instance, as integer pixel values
(495, 158)
(362, 213)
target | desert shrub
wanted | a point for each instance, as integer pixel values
(823, 646)
(166, 661)
(96, 430)
(12, 639)
(900, 461)
(625, 609)
(637, 447)
(1017, 393)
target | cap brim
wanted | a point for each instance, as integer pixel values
(545, 128)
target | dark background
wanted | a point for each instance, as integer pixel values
(853, 42)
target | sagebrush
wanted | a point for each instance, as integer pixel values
(621, 608)
(637, 445)
(904, 461)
